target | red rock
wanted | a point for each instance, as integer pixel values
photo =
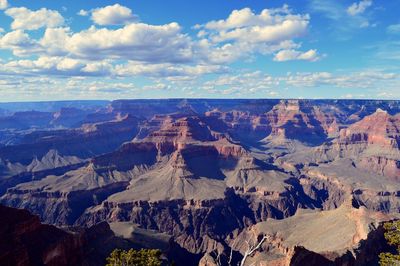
(379, 128)
(25, 241)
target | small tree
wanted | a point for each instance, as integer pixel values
(252, 248)
(392, 236)
(132, 257)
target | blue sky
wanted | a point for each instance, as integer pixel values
(56, 50)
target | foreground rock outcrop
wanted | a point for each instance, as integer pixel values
(26, 241)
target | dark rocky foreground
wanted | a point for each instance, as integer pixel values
(26, 241)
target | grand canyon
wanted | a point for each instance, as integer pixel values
(310, 181)
(200, 133)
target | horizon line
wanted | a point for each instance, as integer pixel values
(200, 98)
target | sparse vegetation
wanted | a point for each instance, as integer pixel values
(132, 257)
(392, 236)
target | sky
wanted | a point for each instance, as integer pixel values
(67, 49)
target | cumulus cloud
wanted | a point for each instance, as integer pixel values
(359, 8)
(3, 4)
(113, 15)
(26, 19)
(140, 42)
(284, 30)
(19, 42)
(15, 38)
(54, 41)
(288, 55)
(271, 25)
(244, 33)
(155, 51)
(241, 35)
(246, 18)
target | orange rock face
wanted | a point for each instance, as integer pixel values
(375, 141)
(379, 128)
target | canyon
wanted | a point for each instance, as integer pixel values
(316, 178)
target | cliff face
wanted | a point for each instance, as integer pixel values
(380, 129)
(373, 143)
(25, 241)
(294, 120)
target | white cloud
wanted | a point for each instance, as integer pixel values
(359, 8)
(387, 95)
(39, 88)
(83, 13)
(166, 70)
(54, 41)
(245, 33)
(261, 84)
(288, 55)
(281, 31)
(364, 79)
(15, 38)
(69, 64)
(246, 18)
(100, 67)
(26, 19)
(155, 51)
(3, 4)
(157, 86)
(242, 84)
(58, 66)
(113, 15)
(19, 42)
(140, 42)
(271, 25)
(110, 88)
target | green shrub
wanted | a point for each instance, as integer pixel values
(132, 257)
(392, 235)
